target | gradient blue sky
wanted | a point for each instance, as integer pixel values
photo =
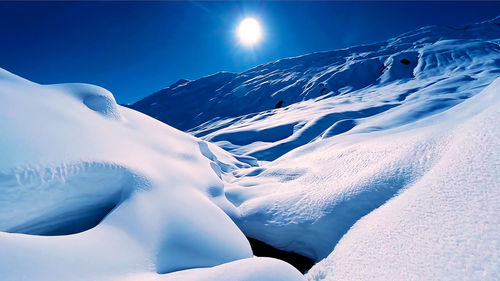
(135, 49)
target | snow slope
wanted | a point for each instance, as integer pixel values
(380, 162)
(443, 226)
(328, 93)
(90, 190)
(356, 130)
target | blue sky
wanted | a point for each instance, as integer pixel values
(137, 48)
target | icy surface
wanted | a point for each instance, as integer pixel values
(133, 192)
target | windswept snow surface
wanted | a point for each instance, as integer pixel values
(379, 162)
(90, 190)
(320, 95)
(445, 225)
(382, 134)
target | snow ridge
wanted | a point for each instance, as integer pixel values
(337, 134)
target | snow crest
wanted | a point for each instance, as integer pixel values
(90, 190)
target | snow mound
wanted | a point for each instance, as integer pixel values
(95, 98)
(254, 269)
(134, 194)
(443, 226)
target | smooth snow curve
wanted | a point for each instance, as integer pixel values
(133, 192)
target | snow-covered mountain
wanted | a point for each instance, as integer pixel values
(378, 162)
(344, 131)
(413, 68)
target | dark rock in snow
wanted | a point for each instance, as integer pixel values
(405, 61)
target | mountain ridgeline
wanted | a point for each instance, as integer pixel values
(426, 52)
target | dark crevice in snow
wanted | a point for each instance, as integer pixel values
(262, 249)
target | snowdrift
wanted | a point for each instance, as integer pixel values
(378, 162)
(444, 225)
(338, 137)
(90, 190)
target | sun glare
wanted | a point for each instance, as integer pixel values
(249, 31)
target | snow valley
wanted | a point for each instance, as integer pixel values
(378, 161)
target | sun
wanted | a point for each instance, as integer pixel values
(249, 31)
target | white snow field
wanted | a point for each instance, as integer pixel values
(387, 126)
(379, 162)
(72, 157)
(445, 225)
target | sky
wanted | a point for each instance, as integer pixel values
(136, 48)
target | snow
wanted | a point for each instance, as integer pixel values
(132, 192)
(254, 269)
(443, 226)
(358, 128)
(381, 162)
(432, 51)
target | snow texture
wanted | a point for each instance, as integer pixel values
(443, 226)
(349, 134)
(132, 192)
(378, 161)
